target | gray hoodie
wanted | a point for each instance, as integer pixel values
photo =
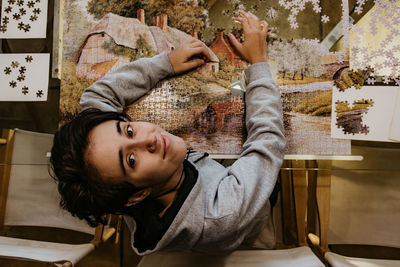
(227, 206)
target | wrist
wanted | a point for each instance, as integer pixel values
(171, 59)
(257, 71)
(259, 60)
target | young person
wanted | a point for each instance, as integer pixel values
(172, 198)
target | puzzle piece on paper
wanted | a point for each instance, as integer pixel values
(350, 118)
(23, 19)
(24, 77)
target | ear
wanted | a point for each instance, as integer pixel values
(138, 196)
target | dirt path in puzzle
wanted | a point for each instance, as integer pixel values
(310, 135)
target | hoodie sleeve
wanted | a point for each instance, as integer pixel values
(263, 151)
(242, 195)
(126, 84)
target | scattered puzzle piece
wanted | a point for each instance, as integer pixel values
(25, 90)
(29, 58)
(13, 84)
(7, 70)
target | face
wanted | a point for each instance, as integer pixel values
(140, 153)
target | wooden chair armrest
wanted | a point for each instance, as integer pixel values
(313, 239)
(108, 233)
(102, 235)
(314, 243)
(98, 233)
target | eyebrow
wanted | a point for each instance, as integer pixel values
(118, 125)
(121, 161)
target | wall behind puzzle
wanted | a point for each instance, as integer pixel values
(206, 106)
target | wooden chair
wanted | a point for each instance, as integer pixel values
(337, 260)
(305, 204)
(29, 197)
(364, 225)
(342, 198)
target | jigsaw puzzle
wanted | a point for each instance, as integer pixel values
(206, 107)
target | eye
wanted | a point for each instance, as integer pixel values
(129, 130)
(131, 160)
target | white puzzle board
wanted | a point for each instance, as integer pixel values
(371, 122)
(24, 77)
(23, 19)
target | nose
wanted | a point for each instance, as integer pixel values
(146, 141)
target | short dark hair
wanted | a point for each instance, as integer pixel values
(83, 193)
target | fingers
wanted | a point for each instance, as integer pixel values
(235, 42)
(253, 18)
(264, 27)
(191, 41)
(197, 47)
(251, 21)
(194, 64)
(195, 43)
(254, 48)
(201, 51)
(243, 21)
(250, 18)
(192, 53)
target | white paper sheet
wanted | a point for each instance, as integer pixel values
(24, 77)
(375, 121)
(42, 251)
(23, 19)
(395, 125)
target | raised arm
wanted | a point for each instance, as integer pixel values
(242, 196)
(264, 118)
(128, 83)
(263, 151)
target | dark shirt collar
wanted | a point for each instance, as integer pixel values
(150, 228)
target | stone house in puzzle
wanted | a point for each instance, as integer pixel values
(93, 60)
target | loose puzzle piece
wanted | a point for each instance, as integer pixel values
(296, 6)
